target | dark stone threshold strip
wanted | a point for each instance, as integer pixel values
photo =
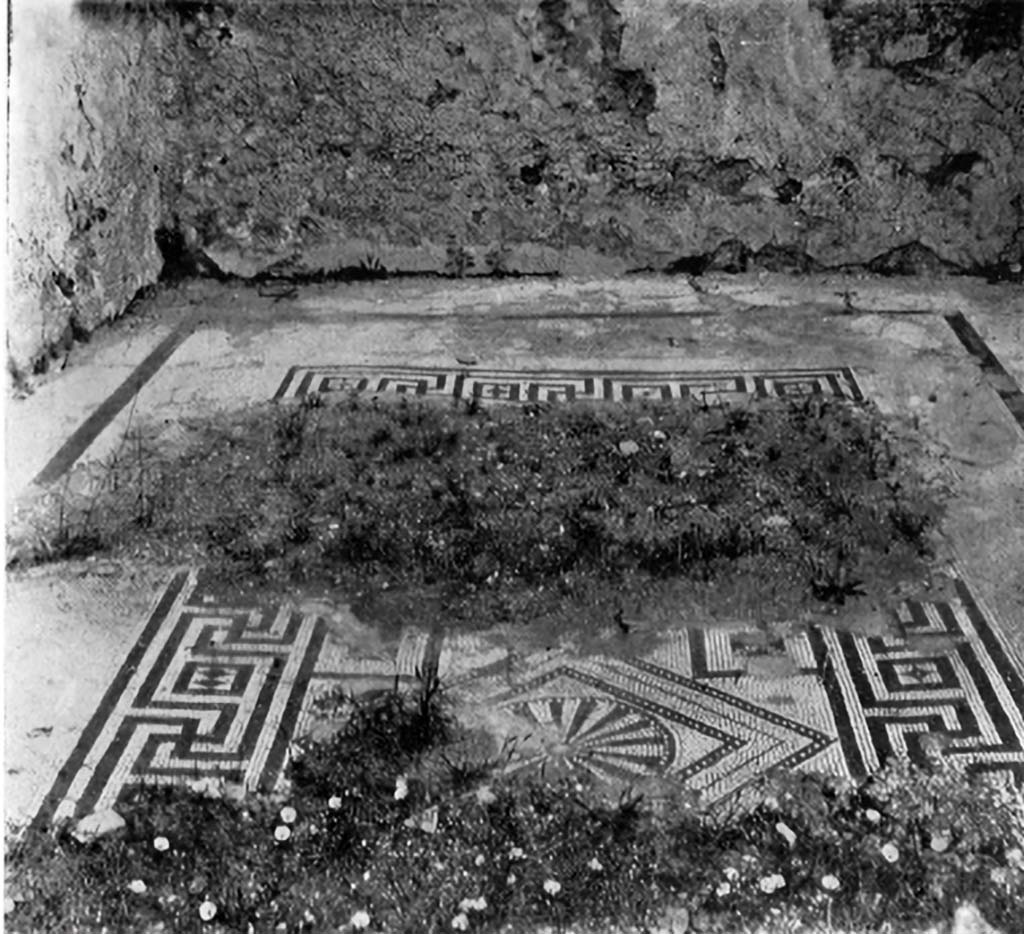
(1003, 383)
(91, 428)
(109, 701)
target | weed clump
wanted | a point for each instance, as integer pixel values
(380, 830)
(514, 511)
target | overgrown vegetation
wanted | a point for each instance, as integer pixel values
(510, 512)
(387, 828)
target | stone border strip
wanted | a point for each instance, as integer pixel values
(93, 426)
(996, 374)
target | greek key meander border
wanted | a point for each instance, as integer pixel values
(997, 660)
(576, 385)
(989, 661)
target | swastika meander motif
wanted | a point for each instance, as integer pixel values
(718, 386)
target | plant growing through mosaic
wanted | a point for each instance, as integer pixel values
(508, 513)
(377, 833)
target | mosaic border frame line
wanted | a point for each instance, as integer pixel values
(997, 375)
(524, 385)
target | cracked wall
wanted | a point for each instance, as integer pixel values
(537, 136)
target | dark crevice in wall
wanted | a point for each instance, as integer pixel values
(111, 11)
(181, 260)
(958, 163)
(911, 259)
(74, 333)
(56, 353)
(872, 31)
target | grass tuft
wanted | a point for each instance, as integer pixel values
(580, 511)
(367, 833)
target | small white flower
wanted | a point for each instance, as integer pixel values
(552, 886)
(830, 883)
(890, 852)
(1000, 876)
(401, 788)
(872, 815)
(516, 853)
(724, 888)
(137, 886)
(511, 880)
(472, 904)
(596, 864)
(288, 814)
(161, 844)
(460, 922)
(484, 795)
(731, 873)
(360, 920)
(207, 910)
(1015, 857)
(282, 832)
(772, 883)
(334, 802)
(940, 842)
(786, 832)
(479, 861)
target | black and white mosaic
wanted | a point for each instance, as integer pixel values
(718, 386)
(217, 689)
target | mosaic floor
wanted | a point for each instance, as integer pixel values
(215, 688)
(571, 385)
(221, 690)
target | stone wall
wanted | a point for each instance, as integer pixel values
(86, 142)
(490, 136)
(473, 137)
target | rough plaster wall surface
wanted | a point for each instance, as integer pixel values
(482, 137)
(601, 135)
(85, 140)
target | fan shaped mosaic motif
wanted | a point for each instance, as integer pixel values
(596, 734)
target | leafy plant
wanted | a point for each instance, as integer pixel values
(364, 836)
